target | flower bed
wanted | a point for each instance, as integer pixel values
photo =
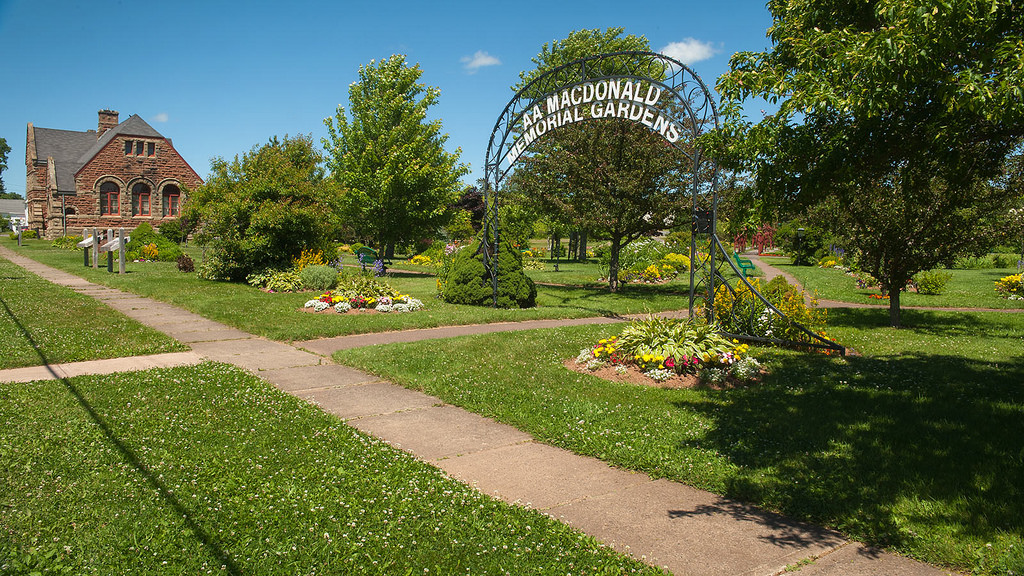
(342, 303)
(670, 353)
(1011, 287)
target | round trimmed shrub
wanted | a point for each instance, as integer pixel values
(318, 277)
(467, 282)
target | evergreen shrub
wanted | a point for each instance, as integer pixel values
(467, 282)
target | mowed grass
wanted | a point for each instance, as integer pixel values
(918, 446)
(280, 317)
(42, 323)
(208, 470)
(966, 288)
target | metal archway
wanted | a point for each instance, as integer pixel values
(648, 88)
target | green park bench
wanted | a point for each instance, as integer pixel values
(367, 256)
(744, 264)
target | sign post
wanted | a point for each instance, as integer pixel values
(120, 252)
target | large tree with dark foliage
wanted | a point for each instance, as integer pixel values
(901, 112)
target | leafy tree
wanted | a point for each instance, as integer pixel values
(263, 209)
(4, 149)
(399, 180)
(472, 201)
(902, 111)
(610, 177)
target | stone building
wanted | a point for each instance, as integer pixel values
(118, 176)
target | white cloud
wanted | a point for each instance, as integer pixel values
(690, 50)
(161, 117)
(479, 60)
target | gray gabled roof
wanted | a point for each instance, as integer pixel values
(66, 147)
(71, 150)
(12, 207)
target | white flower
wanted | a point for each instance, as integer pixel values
(659, 374)
(342, 307)
(310, 303)
(584, 356)
(320, 306)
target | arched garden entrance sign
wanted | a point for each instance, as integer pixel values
(666, 97)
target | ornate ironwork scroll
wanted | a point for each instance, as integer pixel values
(650, 89)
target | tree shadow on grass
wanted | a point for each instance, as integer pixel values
(879, 447)
(129, 454)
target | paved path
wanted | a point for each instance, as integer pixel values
(668, 524)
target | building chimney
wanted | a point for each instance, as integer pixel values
(108, 119)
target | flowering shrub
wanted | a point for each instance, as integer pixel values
(308, 258)
(1011, 287)
(831, 262)
(150, 252)
(677, 261)
(421, 260)
(735, 308)
(652, 274)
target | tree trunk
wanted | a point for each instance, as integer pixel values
(613, 266)
(894, 308)
(389, 250)
(581, 247)
(574, 240)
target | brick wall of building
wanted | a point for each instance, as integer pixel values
(166, 168)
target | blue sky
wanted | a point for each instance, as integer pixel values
(221, 77)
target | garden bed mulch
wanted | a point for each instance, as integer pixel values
(331, 310)
(634, 376)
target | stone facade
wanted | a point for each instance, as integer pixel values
(118, 176)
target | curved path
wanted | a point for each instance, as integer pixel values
(665, 523)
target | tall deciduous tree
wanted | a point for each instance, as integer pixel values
(902, 111)
(263, 209)
(608, 176)
(399, 180)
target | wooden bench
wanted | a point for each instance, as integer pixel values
(368, 257)
(744, 264)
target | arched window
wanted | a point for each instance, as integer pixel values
(110, 199)
(140, 200)
(172, 198)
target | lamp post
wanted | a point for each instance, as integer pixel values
(799, 261)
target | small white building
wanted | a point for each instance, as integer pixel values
(15, 211)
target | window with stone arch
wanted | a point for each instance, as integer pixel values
(110, 199)
(140, 200)
(172, 200)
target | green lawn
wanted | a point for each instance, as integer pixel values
(279, 316)
(42, 323)
(916, 446)
(207, 469)
(966, 288)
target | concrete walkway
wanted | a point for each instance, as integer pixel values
(667, 524)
